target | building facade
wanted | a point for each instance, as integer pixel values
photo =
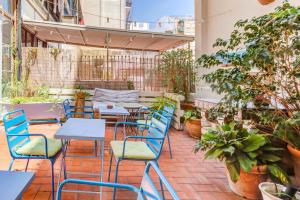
(139, 26)
(104, 13)
(176, 25)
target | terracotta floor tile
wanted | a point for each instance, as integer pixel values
(192, 177)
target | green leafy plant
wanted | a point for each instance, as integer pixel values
(192, 114)
(177, 67)
(130, 85)
(289, 130)
(160, 102)
(262, 59)
(55, 52)
(241, 149)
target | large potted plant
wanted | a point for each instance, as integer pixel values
(80, 96)
(263, 55)
(192, 119)
(249, 157)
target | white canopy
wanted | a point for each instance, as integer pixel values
(104, 37)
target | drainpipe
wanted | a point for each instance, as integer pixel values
(200, 27)
(17, 28)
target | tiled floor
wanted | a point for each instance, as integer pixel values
(190, 175)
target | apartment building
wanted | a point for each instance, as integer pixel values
(176, 25)
(139, 26)
(104, 13)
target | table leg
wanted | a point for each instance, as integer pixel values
(101, 154)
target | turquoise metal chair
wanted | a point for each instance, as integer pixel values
(139, 148)
(23, 145)
(70, 110)
(167, 111)
(146, 191)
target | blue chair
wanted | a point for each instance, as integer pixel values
(147, 189)
(23, 145)
(70, 110)
(167, 111)
(139, 148)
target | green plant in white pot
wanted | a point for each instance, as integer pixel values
(249, 157)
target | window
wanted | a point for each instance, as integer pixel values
(7, 5)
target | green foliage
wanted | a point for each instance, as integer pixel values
(241, 149)
(264, 58)
(289, 130)
(161, 102)
(178, 70)
(192, 114)
(130, 85)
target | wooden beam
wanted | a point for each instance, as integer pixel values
(61, 35)
(82, 37)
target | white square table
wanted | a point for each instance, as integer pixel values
(83, 129)
(13, 184)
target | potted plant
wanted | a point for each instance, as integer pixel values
(249, 157)
(80, 96)
(272, 191)
(289, 131)
(192, 119)
(261, 53)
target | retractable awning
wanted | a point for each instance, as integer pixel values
(104, 37)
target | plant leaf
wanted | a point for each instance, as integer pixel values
(277, 174)
(253, 143)
(233, 171)
(245, 163)
(269, 157)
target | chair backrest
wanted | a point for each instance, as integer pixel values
(169, 108)
(148, 189)
(168, 111)
(158, 129)
(16, 123)
(67, 108)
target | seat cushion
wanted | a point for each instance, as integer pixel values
(133, 149)
(36, 147)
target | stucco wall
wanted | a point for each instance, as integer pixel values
(104, 13)
(215, 19)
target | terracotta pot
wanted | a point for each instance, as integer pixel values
(79, 107)
(187, 106)
(265, 2)
(296, 162)
(247, 184)
(193, 128)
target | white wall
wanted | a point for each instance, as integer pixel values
(215, 19)
(96, 12)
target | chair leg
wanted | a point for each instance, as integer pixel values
(52, 177)
(116, 178)
(11, 164)
(161, 185)
(27, 165)
(170, 150)
(110, 163)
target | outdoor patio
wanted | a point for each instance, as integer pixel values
(190, 175)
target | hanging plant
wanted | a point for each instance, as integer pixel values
(55, 52)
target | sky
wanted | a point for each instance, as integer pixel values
(152, 10)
